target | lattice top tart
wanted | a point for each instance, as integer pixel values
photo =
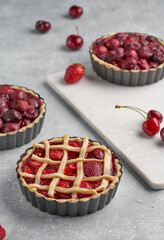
(69, 169)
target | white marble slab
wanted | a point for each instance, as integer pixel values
(95, 99)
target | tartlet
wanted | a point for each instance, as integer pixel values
(22, 113)
(131, 59)
(69, 175)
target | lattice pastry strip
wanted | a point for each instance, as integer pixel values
(55, 177)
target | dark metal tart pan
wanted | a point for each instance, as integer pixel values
(26, 134)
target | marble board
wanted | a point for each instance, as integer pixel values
(94, 100)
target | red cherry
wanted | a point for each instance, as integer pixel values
(10, 127)
(4, 89)
(145, 52)
(2, 232)
(112, 43)
(18, 94)
(158, 57)
(25, 122)
(31, 113)
(20, 105)
(74, 42)
(131, 44)
(42, 26)
(33, 102)
(100, 51)
(131, 53)
(12, 116)
(129, 63)
(143, 63)
(151, 126)
(1, 123)
(162, 134)
(155, 114)
(75, 11)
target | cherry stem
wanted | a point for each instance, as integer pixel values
(133, 108)
(77, 30)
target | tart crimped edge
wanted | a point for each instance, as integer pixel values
(108, 65)
(111, 186)
(42, 110)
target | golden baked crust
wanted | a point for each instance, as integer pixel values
(108, 65)
(106, 177)
(41, 114)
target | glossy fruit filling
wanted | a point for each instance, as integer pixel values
(130, 51)
(91, 168)
(17, 108)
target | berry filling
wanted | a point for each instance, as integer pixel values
(17, 109)
(93, 167)
(130, 51)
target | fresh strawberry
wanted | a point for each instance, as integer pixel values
(74, 73)
(2, 232)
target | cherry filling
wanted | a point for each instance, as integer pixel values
(90, 169)
(17, 108)
(130, 51)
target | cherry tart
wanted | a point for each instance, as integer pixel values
(22, 114)
(132, 59)
(69, 175)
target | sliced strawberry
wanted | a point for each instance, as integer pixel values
(75, 144)
(39, 152)
(45, 181)
(93, 169)
(63, 184)
(85, 185)
(44, 192)
(98, 153)
(56, 154)
(28, 169)
(62, 196)
(50, 169)
(35, 164)
(29, 180)
(94, 185)
(73, 155)
(67, 171)
(73, 167)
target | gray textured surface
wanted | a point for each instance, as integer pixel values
(26, 58)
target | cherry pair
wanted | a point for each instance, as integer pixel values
(151, 125)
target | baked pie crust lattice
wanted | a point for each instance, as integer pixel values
(107, 180)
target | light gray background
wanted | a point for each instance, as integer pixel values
(26, 58)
